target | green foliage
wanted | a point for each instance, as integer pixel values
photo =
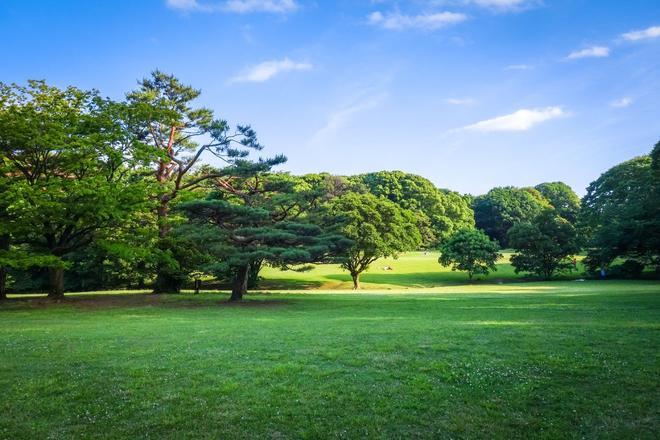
(470, 250)
(258, 220)
(71, 169)
(621, 213)
(544, 245)
(501, 208)
(439, 212)
(378, 228)
(562, 198)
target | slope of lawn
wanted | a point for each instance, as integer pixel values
(412, 270)
(526, 360)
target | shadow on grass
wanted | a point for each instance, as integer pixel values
(288, 284)
(131, 300)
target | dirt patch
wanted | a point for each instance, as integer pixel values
(111, 301)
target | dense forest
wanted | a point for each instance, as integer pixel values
(98, 193)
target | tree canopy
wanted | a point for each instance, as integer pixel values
(621, 213)
(377, 227)
(440, 212)
(503, 207)
(544, 244)
(470, 250)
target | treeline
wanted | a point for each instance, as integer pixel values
(97, 193)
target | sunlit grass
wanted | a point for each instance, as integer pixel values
(538, 360)
(412, 270)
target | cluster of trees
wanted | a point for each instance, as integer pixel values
(116, 193)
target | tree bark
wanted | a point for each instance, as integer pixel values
(56, 282)
(241, 278)
(3, 283)
(4, 246)
(356, 280)
(162, 214)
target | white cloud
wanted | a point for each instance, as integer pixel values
(429, 22)
(519, 67)
(341, 117)
(621, 103)
(590, 52)
(236, 6)
(277, 6)
(460, 101)
(268, 69)
(644, 34)
(184, 5)
(521, 120)
(503, 5)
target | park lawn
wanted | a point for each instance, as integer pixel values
(412, 270)
(526, 360)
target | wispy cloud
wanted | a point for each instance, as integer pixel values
(590, 52)
(268, 69)
(339, 118)
(277, 6)
(519, 67)
(460, 101)
(521, 120)
(504, 5)
(236, 6)
(644, 34)
(429, 22)
(621, 103)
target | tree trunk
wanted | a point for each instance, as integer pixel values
(4, 246)
(3, 283)
(241, 278)
(165, 282)
(356, 280)
(162, 214)
(56, 282)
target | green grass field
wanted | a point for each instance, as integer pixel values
(562, 359)
(413, 270)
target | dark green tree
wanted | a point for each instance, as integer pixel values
(165, 117)
(235, 233)
(378, 228)
(621, 213)
(470, 250)
(544, 245)
(72, 167)
(562, 198)
(501, 208)
(439, 212)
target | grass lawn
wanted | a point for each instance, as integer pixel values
(525, 360)
(413, 270)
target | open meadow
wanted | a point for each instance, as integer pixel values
(556, 359)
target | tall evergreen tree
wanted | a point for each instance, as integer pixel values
(166, 118)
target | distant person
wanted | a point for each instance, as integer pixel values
(602, 273)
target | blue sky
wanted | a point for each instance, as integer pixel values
(471, 94)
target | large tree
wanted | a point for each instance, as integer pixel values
(439, 212)
(72, 169)
(501, 208)
(255, 221)
(378, 228)
(562, 198)
(470, 250)
(166, 118)
(621, 213)
(544, 245)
